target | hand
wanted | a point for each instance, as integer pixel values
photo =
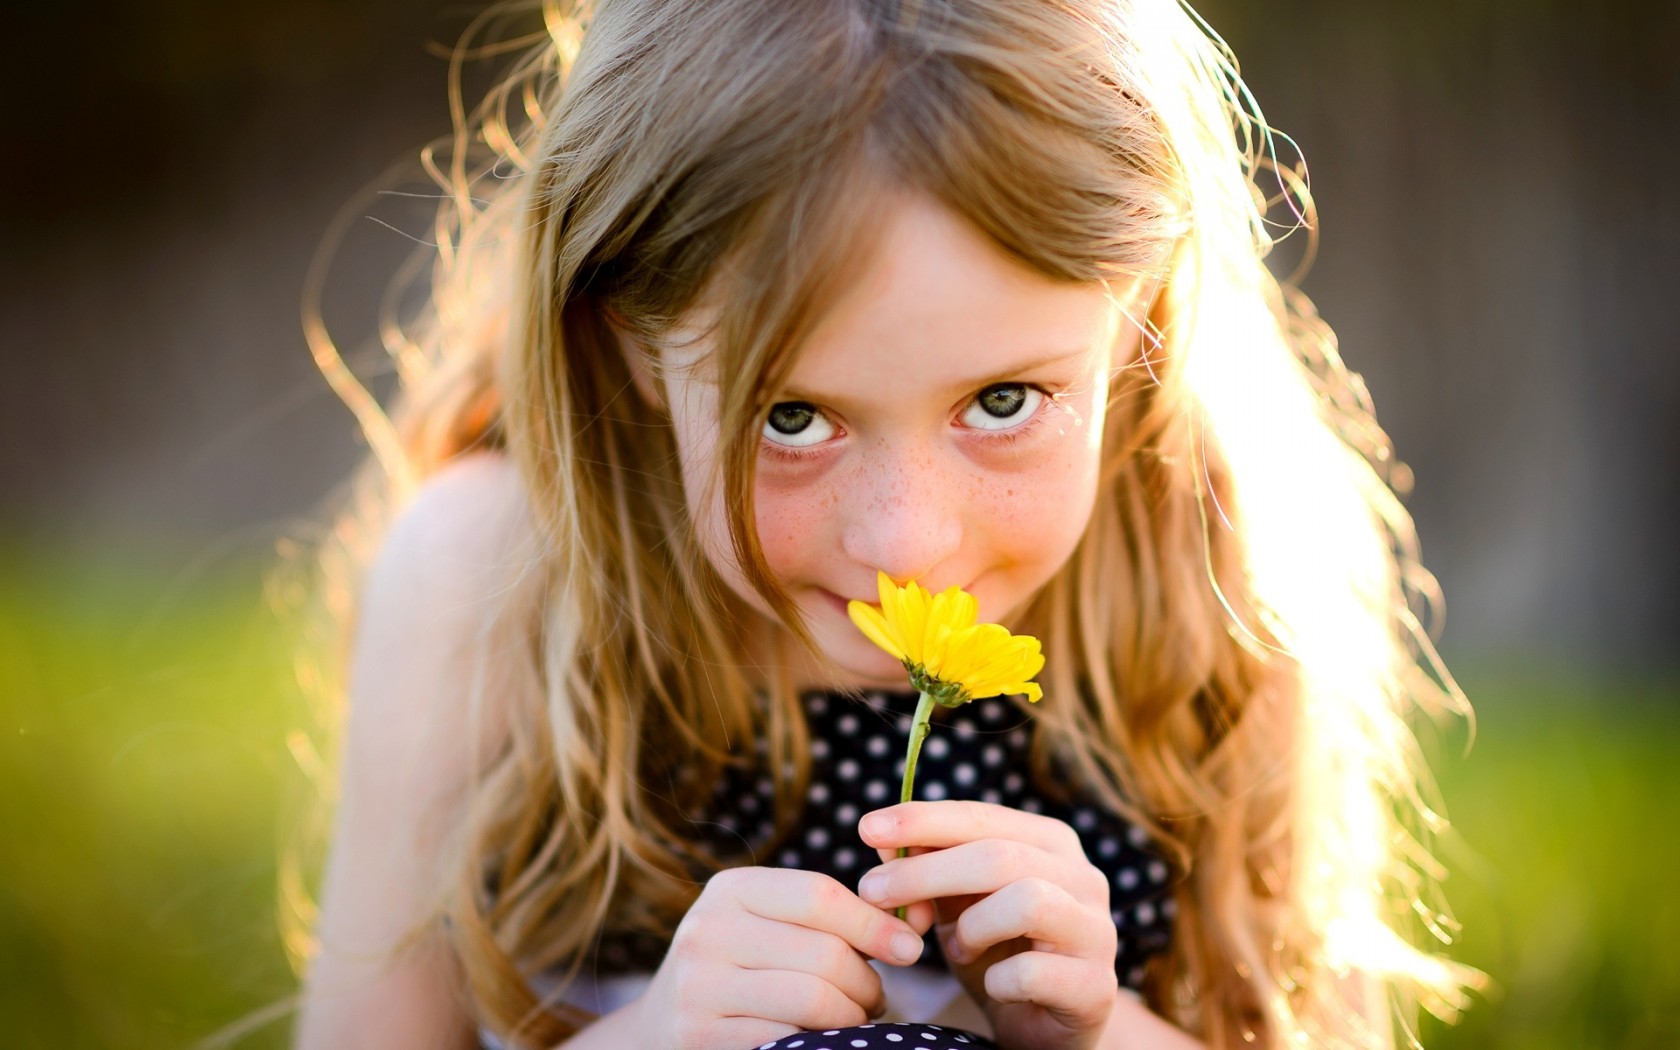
(1022, 914)
(764, 953)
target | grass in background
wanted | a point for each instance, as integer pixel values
(142, 767)
(143, 773)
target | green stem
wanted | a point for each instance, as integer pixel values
(918, 733)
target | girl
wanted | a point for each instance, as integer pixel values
(767, 297)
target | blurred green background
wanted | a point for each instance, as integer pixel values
(1501, 243)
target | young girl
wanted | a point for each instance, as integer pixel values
(760, 299)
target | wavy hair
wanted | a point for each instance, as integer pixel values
(1236, 648)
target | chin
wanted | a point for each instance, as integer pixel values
(860, 664)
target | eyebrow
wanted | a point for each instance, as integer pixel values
(963, 385)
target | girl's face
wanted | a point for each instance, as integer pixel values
(943, 425)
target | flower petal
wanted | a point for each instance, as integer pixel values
(875, 627)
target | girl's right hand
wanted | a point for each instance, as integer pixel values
(766, 952)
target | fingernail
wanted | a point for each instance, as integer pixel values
(953, 950)
(873, 886)
(906, 947)
(877, 825)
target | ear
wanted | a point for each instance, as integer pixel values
(636, 355)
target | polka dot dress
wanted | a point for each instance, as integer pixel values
(977, 751)
(898, 1035)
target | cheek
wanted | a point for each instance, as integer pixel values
(1034, 518)
(794, 524)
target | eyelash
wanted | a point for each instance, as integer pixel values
(1007, 438)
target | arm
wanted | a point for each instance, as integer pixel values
(404, 769)
(1133, 1026)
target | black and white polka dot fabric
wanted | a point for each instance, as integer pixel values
(977, 751)
(897, 1035)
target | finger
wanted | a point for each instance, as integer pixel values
(1035, 909)
(762, 944)
(1077, 992)
(981, 867)
(792, 997)
(951, 822)
(816, 901)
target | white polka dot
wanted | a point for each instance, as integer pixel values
(1018, 738)
(875, 790)
(963, 774)
(934, 790)
(847, 769)
(768, 1045)
(1157, 872)
(847, 724)
(1126, 878)
(728, 822)
(819, 748)
(1107, 846)
(992, 710)
(963, 1038)
(877, 746)
(765, 787)
(817, 838)
(898, 769)
(1169, 907)
(964, 730)
(1146, 914)
(845, 814)
(1084, 819)
(788, 859)
(1118, 917)
(904, 723)
(936, 747)
(819, 793)
(749, 803)
(819, 704)
(928, 1036)
(796, 1043)
(894, 1037)
(1032, 805)
(766, 829)
(832, 1031)
(1012, 783)
(992, 797)
(1137, 836)
(860, 1042)
(992, 755)
(844, 858)
(1135, 976)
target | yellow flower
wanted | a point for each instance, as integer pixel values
(950, 657)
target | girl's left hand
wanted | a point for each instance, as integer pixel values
(1022, 914)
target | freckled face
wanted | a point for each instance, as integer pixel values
(943, 424)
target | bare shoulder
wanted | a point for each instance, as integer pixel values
(465, 534)
(438, 609)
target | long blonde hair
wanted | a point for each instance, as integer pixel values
(1235, 650)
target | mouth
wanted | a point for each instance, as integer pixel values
(834, 600)
(839, 604)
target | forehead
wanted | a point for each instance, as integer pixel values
(935, 304)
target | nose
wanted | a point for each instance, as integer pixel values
(902, 520)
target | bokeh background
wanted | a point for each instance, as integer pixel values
(1500, 256)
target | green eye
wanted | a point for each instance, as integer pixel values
(797, 424)
(1003, 406)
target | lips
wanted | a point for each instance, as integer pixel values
(840, 603)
